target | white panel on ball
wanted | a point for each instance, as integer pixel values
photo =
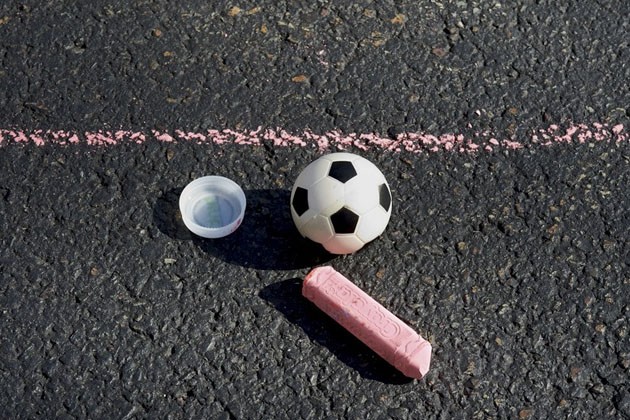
(372, 224)
(313, 173)
(368, 169)
(343, 244)
(326, 196)
(361, 195)
(318, 229)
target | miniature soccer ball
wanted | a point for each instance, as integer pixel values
(341, 201)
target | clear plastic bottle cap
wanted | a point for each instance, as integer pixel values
(212, 206)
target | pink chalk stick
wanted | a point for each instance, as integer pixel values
(368, 320)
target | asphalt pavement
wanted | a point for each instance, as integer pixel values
(514, 264)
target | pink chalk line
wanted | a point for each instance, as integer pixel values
(333, 140)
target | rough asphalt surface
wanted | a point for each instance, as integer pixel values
(513, 264)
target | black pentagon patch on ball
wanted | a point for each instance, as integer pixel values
(300, 201)
(342, 171)
(384, 196)
(344, 221)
